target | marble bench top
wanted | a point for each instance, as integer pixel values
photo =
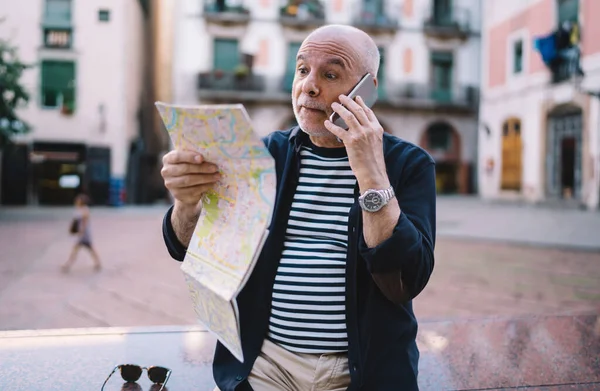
(537, 353)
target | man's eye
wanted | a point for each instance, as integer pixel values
(302, 70)
(330, 76)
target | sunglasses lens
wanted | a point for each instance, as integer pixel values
(157, 374)
(131, 373)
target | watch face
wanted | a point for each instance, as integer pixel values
(372, 201)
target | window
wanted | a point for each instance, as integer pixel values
(439, 137)
(225, 54)
(104, 15)
(518, 56)
(58, 84)
(441, 67)
(568, 10)
(290, 71)
(58, 13)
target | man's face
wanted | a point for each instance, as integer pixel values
(325, 69)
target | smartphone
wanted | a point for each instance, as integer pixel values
(366, 89)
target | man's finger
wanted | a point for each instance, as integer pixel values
(187, 169)
(181, 156)
(337, 131)
(370, 114)
(354, 108)
(192, 180)
(191, 194)
(346, 115)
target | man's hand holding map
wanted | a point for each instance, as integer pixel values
(235, 215)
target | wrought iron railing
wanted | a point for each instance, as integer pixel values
(229, 81)
(305, 12)
(458, 21)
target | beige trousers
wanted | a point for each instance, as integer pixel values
(278, 369)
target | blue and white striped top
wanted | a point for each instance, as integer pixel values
(308, 313)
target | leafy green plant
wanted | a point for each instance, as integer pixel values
(12, 93)
(241, 71)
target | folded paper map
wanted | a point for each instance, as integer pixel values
(235, 215)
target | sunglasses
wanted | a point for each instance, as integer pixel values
(131, 373)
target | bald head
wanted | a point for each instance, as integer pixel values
(361, 43)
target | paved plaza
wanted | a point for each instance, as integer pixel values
(491, 261)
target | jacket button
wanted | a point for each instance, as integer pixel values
(238, 378)
(353, 367)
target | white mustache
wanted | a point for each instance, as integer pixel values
(313, 105)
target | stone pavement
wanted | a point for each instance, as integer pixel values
(141, 286)
(472, 218)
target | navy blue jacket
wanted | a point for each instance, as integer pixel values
(382, 350)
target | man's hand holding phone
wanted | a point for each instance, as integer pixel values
(366, 89)
(363, 139)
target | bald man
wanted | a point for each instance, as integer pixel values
(329, 303)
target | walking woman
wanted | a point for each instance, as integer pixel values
(81, 227)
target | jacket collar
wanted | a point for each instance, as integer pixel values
(297, 137)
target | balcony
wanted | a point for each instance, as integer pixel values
(424, 96)
(373, 20)
(302, 14)
(230, 86)
(566, 66)
(455, 24)
(220, 11)
(58, 38)
(227, 87)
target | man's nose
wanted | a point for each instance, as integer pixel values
(310, 85)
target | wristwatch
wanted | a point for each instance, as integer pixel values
(372, 200)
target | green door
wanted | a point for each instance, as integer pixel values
(442, 12)
(226, 54)
(57, 13)
(568, 10)
(381, 90)
(373, 8)
(290, 68)
(442, 65)
(58, 83)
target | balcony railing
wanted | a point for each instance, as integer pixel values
(305, 13)
(376, 23)
(374, 20)
(427, 95)
(454, 24)
(227, 85)
(566, 68)
(221, 11)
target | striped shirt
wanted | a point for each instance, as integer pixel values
(308, 312)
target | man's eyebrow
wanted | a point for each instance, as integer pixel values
(331, 61)
(336, 61)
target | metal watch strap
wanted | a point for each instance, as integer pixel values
(388, 194)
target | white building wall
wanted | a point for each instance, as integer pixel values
(108, 61)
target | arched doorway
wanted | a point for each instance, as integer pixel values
(443, 144)
(512, 165)
(563, 152)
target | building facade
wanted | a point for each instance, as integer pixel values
(244, 52)
(88, 91)
(540, 106)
